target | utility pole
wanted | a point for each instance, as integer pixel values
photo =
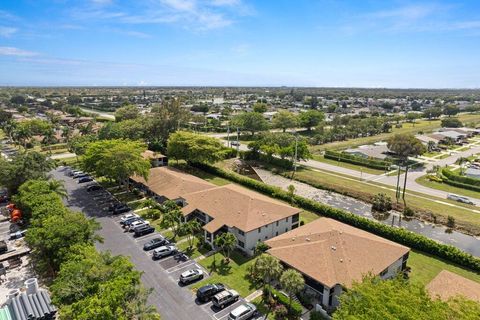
(296, 153)
(228, 136)
(238, 143)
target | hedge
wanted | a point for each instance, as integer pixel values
(459, 184)
(402, 236)
(366, 162)
(296, 308)
(450, 175)
(282, 163)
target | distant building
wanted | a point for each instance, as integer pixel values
(156, 159)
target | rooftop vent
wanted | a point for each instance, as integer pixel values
(341, 260)
(334, 248)
(307, 239)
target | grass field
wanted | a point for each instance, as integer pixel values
(234, 275)
(419, 126)
(423, 180)
(347, 165)
(425, 267)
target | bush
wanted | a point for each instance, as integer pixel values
(366, 162)
(280, 312)
(279, 297)
(467, 182)
(315, 315)
(398, 235)
(450, 222)
(408, 212)
(382, 203)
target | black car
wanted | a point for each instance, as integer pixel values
(85, 179)
(121, 209)
(94, 187)
(143, 230)
(206, 293)
(155, 243)
(115, 204)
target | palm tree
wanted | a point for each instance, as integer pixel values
(191, 229)
(226, 242)
(58, 187)
(269, 269)
(430, 146)
(292, 282)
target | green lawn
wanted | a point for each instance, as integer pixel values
(235, 274)
(347, 165)
(194, 252)
(137, 204)
(126, 197)
(423, 180)
(425, 267)
(307, 216)
(201, 174)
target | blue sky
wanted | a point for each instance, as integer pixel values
(334, 43)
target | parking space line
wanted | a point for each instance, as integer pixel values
(145, 237)
(178, 267)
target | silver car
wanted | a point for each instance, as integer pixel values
(164, 251)
(460, 199)
(245, 311)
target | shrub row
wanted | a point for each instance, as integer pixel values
(366, 162)
(296, 308)
(405, 237)
(459, 184)
(450, 175)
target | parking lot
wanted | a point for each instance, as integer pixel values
(173, 300)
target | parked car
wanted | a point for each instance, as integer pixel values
(235, 143)
(138, 223)
(224, 298)
(3, 247)
(121, 209)
(460, 199)
(129, 222)
(94, 187)
(206, 293)
(155, 243)
(127, 217)
(17, 235)
(3, 195)
(80, 175)
(164, 251)
(243, 312)
(143, 230)
(85, 179)
(191, 275)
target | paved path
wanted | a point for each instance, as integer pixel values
(62, 155)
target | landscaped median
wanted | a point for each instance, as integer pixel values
(402, 236)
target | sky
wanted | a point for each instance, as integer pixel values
(323, 43)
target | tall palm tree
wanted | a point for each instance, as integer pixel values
(292, 282)
(226, 242)
(58, 187)
(269, 269)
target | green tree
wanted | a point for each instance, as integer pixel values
(292, 282)
(311, 118)
(281, 144)
(412, 116)
(128, 112)
(451, 123)
(399, 299)
(432, 113)
(250, 121)
(259, 107)
(193, 147)
(226, 242)
(23, 167)
(268, 268)
(52, 238)
(405, 145)
(191, 228)
(18, 99)
(450, 110)
(172, 217)
(116, 159)
(284, 120)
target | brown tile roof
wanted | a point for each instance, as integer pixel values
(333, 253)
(448, 284)
(172, 183)
(238, 207)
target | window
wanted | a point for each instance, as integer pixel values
(276, 233)
(277, 223)
(259, 229)
(286, 229)
(241, 244)
(384, 272)
(295, 218)
(286, 219)
(240, 232)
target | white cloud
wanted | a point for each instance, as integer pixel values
(11, 51)
(7, 32)
(412, 12)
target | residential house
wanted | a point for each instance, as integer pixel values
(250, 216)
(447, 285)
(332, 256)
(378, 150)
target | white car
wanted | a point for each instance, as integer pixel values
(245, 311)
(191, 275)
(461, 199)
(127, 217)
(137, 223)
(164, 251)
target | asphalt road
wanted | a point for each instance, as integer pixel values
(171, 300)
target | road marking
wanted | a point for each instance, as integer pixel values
(145, 237)
(178, 267)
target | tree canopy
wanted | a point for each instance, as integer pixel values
(183, 145)
(451, 123)
(250, 121)
(116, 159)
(405, 145)
(284, 120)
(281, 145)
(127, 112)
(394, 299)
(311, 118)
